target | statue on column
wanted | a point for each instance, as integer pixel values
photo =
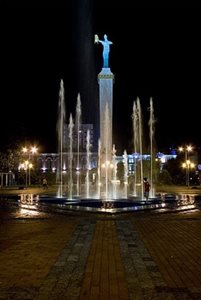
(106, 49)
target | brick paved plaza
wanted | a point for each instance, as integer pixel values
(138, 255)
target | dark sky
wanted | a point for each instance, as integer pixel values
(156, 53)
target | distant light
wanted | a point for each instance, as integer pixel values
(163, 159)
(34, 149)
(189, 148)
(24, 149)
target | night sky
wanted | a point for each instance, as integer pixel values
(156, 53)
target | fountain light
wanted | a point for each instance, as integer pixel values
(30, 165)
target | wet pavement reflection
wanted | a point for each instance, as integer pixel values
(12, 208)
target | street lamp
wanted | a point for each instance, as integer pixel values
(29, 151)
(188, 165)
(186, 150)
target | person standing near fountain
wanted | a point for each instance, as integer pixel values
(106, 49)
(45, 186)
(146, 188)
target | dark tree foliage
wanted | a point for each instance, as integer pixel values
(175, 170)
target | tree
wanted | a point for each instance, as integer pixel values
(9, 160)
(174, 168)
(164, 177)
(147, 169)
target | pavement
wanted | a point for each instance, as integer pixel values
(78, 255)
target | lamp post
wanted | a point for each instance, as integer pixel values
(23, 166)
(26, 166)
(29, 151)
(186, 150)
(188, 165)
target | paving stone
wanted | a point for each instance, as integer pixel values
(67, 271)
(137, 264)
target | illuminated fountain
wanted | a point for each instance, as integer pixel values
(138, 152)
(60, 133)
(106, 176)
(114, 179)
(99, 171)
(77, 128)
(88, 166)
(125, 175)
(152, 152)
(137, 140)
(70, 158)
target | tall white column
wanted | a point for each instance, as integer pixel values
(106, 79)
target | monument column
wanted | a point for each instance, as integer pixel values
(105, 80)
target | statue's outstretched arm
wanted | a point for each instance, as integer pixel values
(96, 38)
